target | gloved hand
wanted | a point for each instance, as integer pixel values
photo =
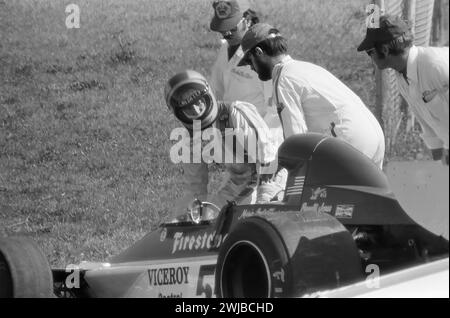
(266, 178)
(181, 206)
(437, 153)
(440, 154)
(271, 186)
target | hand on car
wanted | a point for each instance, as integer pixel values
(440, 154)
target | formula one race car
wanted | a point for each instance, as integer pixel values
(338, 218)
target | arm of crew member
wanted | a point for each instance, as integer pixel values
(259, 142)
(437, 76)
(194, 182)
(289, 105)
(442, 80)
(245, 135)
(216, 80)
(430, 138)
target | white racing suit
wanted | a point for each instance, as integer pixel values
(241, 183)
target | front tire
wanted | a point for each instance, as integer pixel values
(24, 270)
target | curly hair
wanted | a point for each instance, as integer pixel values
(395, 47)
(273, 46)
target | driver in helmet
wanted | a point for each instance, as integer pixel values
(256, 180)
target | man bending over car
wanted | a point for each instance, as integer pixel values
(190, 98)
(308, 97)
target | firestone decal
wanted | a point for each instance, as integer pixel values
(183, 242)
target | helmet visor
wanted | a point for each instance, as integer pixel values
(195, 110)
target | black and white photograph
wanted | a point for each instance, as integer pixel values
(228, 149)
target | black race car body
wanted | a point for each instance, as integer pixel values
(338, 218)
(180, 260)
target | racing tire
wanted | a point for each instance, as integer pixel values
(253, 262)
(24, 270)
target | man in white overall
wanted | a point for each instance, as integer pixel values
(422, 77)
(308, 97)
(421, 187)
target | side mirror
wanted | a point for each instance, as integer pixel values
(196, 211)
(203, 211)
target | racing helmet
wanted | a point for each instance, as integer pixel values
(190, 98)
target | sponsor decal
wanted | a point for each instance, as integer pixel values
(325, 208)
(266, 212)
(168, 276)
(196, 94)
(344, 211)
(182, 242)
(318, 193)
(171, 295)
(175, 280)
(279, 275)
(322, 208)
(163, 236)
(258, 212)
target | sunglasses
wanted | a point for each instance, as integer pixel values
(230, 32)
(370, 52)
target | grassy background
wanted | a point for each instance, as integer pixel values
(84, 130)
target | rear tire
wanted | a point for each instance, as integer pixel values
(253, 262)
(24, 270)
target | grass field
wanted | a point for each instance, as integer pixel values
(84, 130)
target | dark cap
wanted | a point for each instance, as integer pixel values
(227, 15)
(391, 27)
(256, 34)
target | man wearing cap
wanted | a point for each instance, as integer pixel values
(229, 81)
(422, 77)
(309, 98)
